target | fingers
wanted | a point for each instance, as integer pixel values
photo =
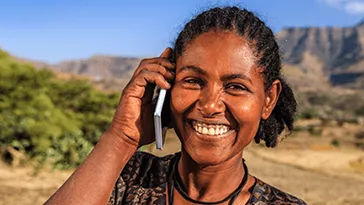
(146, 77)
(161, 65)
(150, 72)
(167, 53)
(161, 61)
(167, 73)
(138, 85)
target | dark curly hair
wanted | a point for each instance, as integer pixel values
(262, 41)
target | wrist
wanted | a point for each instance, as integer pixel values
(120, 141)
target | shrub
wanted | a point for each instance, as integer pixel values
(309, 114)
(359, 135)
(335, 142)
(49, 119)
(315, 131)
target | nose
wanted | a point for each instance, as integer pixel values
(210, 103)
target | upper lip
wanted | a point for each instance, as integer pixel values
(211, 122)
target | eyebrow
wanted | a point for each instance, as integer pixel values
(234, 76)
(226, 77)
(193, 68)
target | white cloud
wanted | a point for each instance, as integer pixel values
(334, 3)
(354, 7)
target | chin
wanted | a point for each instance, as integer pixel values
(211, 153)
(210, 157)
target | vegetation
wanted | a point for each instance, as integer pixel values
(335, 142)
(330, 106)
(360, 135)
(58, 121)
(315, 131)
(47, 119)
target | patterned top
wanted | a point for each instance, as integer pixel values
(144, 181)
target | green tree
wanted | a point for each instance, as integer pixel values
(50, 120)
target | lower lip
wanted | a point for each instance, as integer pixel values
(211, 137)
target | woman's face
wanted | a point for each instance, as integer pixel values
(218, 97)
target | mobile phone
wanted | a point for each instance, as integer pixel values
(159, 131)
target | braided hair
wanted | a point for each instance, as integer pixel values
(264, 45)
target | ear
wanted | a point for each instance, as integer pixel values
(271, 98)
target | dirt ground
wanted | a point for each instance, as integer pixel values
(311, 167)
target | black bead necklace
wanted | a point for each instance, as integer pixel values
(175, 181)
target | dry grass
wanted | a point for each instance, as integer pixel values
(309, 167)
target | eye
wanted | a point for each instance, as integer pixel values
(236, 87)
(193, 83)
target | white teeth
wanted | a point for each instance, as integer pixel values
(205, 131)
(210, 129)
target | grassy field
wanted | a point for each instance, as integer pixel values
(320, 163)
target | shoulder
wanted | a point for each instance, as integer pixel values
(265, 193)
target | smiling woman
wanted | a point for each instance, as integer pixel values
(225, 89)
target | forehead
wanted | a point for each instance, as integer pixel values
(218, 50)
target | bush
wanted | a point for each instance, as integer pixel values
(49, 119)
(315, 131)
(359, 135)
(331, 105)
(318, 98)
(360, 111)
(309, 114)
(335, 143)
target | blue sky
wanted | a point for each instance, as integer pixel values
(54, 30)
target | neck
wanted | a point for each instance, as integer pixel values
(210, 183)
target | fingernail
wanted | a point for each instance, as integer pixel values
(168, 85)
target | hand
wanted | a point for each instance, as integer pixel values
(133, 119)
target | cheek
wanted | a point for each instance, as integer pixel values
(246, 108)
(182, 100)
(247, 112)
(180, 103)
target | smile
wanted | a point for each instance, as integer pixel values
(210, 129)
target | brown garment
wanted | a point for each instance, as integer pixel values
(144, 181)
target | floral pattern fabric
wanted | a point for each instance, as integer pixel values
(144, 181)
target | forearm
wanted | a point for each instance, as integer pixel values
(94, 179)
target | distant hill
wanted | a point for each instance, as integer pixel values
(100, 66)
(109, 72)
(314, 58)
(334, 55)
(106, 72)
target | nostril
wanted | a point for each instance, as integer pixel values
(205, 111)
(210, 109)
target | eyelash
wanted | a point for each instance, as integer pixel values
(237, 87)
(233, 86)
(193, 81)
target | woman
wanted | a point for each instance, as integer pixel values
(225, 90)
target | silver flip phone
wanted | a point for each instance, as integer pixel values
(159, 132)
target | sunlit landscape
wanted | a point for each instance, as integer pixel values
(53, 113)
